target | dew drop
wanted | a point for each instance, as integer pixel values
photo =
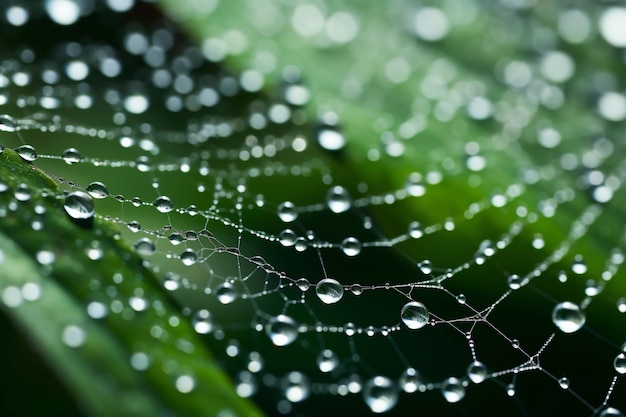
(287, 212)
(579, 266)
(621, 304)
(7, 123)
(416, 230)
(134, 226)
(356, 289)
(330, 138)
(97, 310)
(144, 246)
(188, 257)
(568, 317)
(71, 156)
(97, 190)
(338, 199)
(351, 246)
(620, 363)
(27, 153)
(303, 284)
(295, 386)
(163, 204)
(414, 315)
(410, 380)
(73, 336)
(79, 205)
(477, 372)
(282, 330)
(510, 390)
(380, 394)
(139, 361)
(327, 360)
(287, 237)
(22, 193)
(453, 390)
(564, 383)
(611, 412)
(301, 244)
(515, 281)
(185, 384)
(63, 12)
(329, 291)
(426, 267)
(45, 257)
(176, 239)
(414, 186)
(226, 293)
(202, 322)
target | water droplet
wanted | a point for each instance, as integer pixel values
(22, 193)
(453, 390)
(515, 281)
(568, 317)
(327, 360)
(296, 387)
(188, 257)
(410, 380)
(356, 289)
(579, 266)
(185, 383)
(246, 385)
(144, 246)
(202, 322)
(176, 239)
(301, 244)
(338, 199)
(138, 303)
(45, 257)
(477, 372)
(620, 363)
(351, 246)
(139, 361)
(27, 153)
(163, 204)
(510, 390)
(380, 394)
(7, 123)
(414, 186)
(414, 315)
(329, 290)
(97, 190)
(282, 330)
(330, 138)
(97, 310)
(287, 237)
(73, 336)
(611, 412)
(564, 382)
(426, 267)
(287, 212)
(134, 226)
(79, 205)
(416, 230)
(303, 284)
(226, 293)
(71, 156)
(63, 12)
(621, 304)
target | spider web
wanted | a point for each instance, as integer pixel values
(322, 294)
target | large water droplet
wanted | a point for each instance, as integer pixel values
(338, 199)
(282, 330)
(287, 212)
(164, 204)
(568, 317)
(611, 412)
(79, 205)
(287, 237)
(97, 190)
(202, 322)
(188, 257)
(410, 380)
(620, 363)
(226, 293)
(414, 315)
(477, 372)
(144, 246)
(71, 156)
(27, 153)
(7, 123)
(453, 390)
(380, 394)
(296, 387)
(327, 360)
(351, 246)
(329, 290)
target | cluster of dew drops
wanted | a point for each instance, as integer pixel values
(380, 392)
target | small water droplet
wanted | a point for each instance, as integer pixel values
(73, 336)
(163, 204)
(45, 257)
(414, 315)
(329, 291)
(27, 153)
(22, 192)
(185, 384)
(338, 199)
(416, 230)
(426, 267)
(71, 156)
(79, 205)
(327, 360)
(330, 138)
(453, 390)
(351, 246)
(7, 123)
(226, 293)
(477, 372)
(134, 226)
(97, 310)
(287, 212)
(295, 386)
(287, 237)
(414, 186)
(410, 380)
(510, 390)
(188, 257)
(301, 244)
(356, 289)
(568, 317)
(564, 383)
(515, 281)
(202, 322)
(579, 266)
(303, 284)
(176, 239)
(611, 412)
(282, 330)
(620, 363)
(139, 361)
(621, 304)
(97, 190)
(380, 394)
(144, 246)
